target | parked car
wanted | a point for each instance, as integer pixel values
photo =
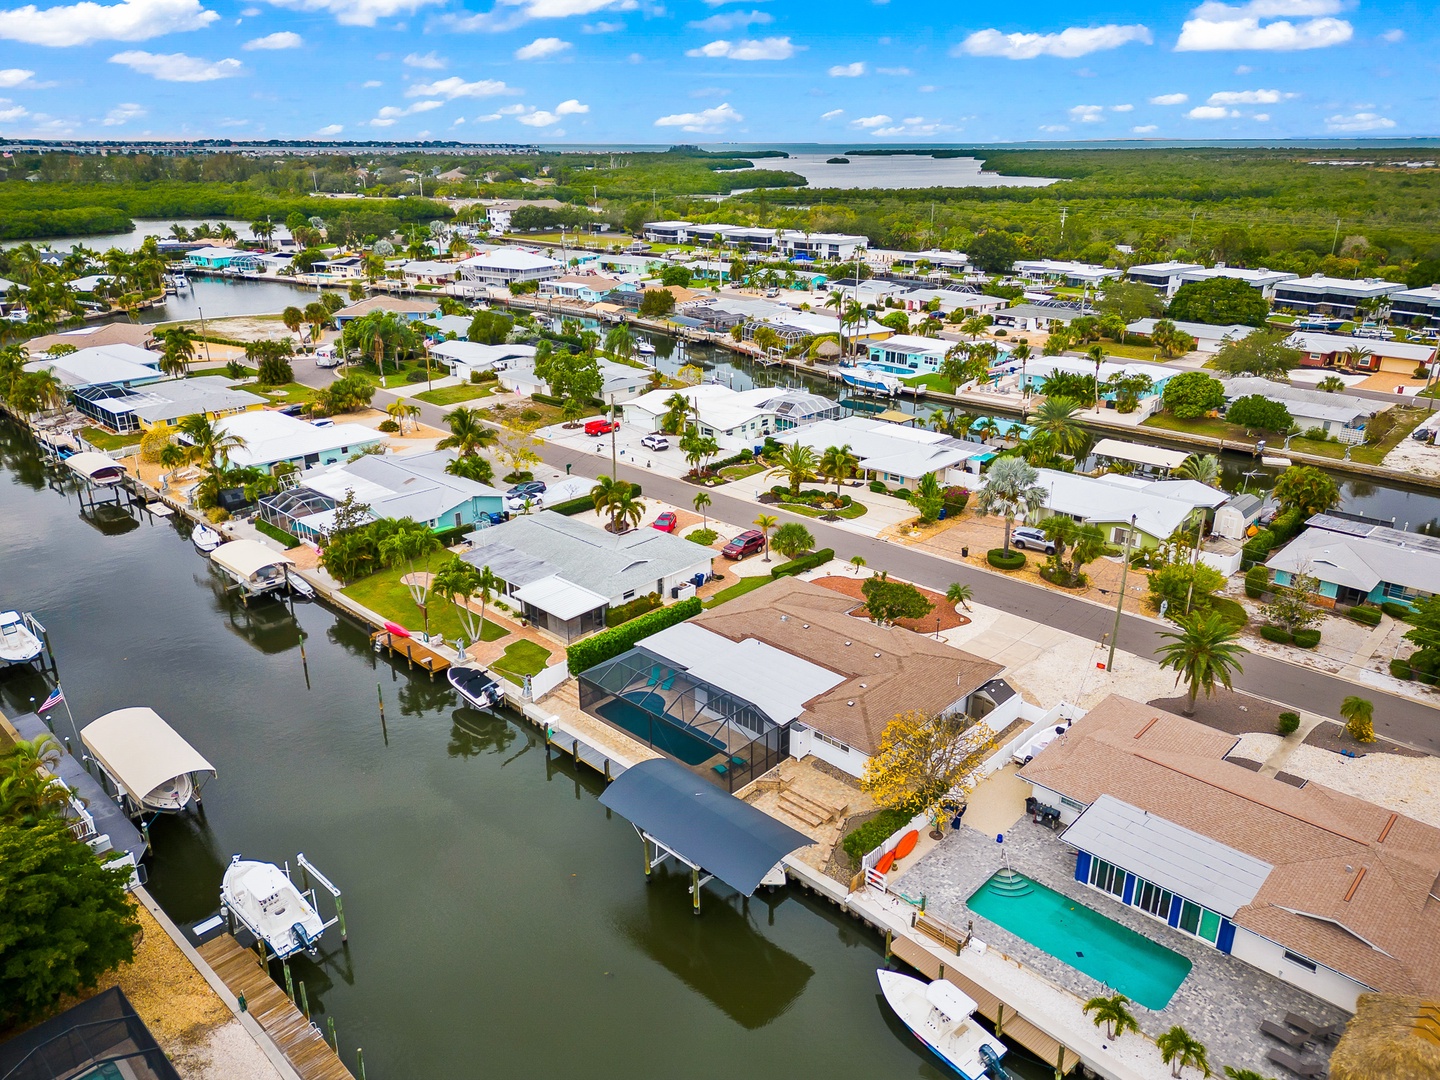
(597, 428)
(655, 441)
(323, 421)
(665, 522)
(532, 492)
(1026, 537)
(292, 410)
(747, 543)
(1421, 434)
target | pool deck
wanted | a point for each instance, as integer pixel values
(1222, 1002)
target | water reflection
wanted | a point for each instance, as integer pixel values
(186, 865)
(110, 517)
(473, 733)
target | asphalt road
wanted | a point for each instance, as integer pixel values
(1397, 718)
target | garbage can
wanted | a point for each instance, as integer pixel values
(964, 553)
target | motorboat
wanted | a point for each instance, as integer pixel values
(205, 538)
(941, 1015)
(154, 770)
(476, 686)
(644, 348)
(263, 898)
(865, 377)
(252, 566)
(19, 642)
(299, 586)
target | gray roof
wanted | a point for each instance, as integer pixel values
(187, 397)
(398, 486)
(1204, 331)
(1310, 404)
(1361, 556)
(1037, 311)
(532, 546)
(704, 825)
(1169, 855)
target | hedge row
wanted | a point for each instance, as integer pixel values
(1307, 639)
(1257, 580)
(633, 610)
(582, 505)
(1003, 560)
(607, 644)
(1365, 616)
(1396, 610)
(1278, 634)
(803, 563)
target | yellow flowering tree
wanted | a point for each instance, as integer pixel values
(922, 757)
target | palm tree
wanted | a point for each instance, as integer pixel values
(625, 508)
(1354, 355)
(1096, 353)
(837, 463)
(960, 594)
(263, 231)
(1178, 1049)
(1202, 468)
(1330, 384)
(1010, 489)
(468, 432)
(29, 791)
(402, 410)
(1114, 1013)
(765, 523)
(180, 344)
(797, 462)
(677, 412)
(412, 543)
(987, 427)
(858, 562)
(620, 342)
(1359, 716)
(702, 500)
(210, 446)
(1203, 652)
(1055, 420)
(293, 318)
(836, 300)
(474, 468)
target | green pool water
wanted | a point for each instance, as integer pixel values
(1115, 955)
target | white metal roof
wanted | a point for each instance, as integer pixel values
(950, 999)
(271, 436)
(1171, 856)
(1140, 454)
(246, 557)
(1332, 343)
(118, 363)
(561, 598)
(140, 750)
(90, 464)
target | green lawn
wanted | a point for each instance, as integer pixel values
(740, 588)
(1133, 352)
(1409, 420)
(740, 472)
(221, 371)
(453, 395)
(1208, 425)
(522, 658)
(104, 440)
(854, 510)
(934, 381)
(383, 594)
(284, 394)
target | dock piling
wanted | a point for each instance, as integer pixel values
(340, 918)
(360, 1061)
(304, 1000)
(289, 980)
(330, 1026)
(383, 730)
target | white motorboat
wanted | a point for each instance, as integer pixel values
(941, 1016)
(19, 643)
(268, 904)
(205, 538)
(864, 377)
(152, 767)
(644, 348)
(476, 686)
(299, 586)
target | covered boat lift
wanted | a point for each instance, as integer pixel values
(154, 769)
(713, 833)
(97, 470)
(254, 568)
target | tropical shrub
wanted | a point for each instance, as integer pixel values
(1307, 638)
(634, 609)
(867, 837)
(1401, 669)
(1365, 615)
(803, 563)
(605, 645)
(1257, 580)
(1289, 723)
(1278, 634)
(1005, 560)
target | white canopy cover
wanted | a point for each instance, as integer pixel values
(140, 750)
(245, 558)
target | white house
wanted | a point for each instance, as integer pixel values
(1208, 339)
(1158, 507)
(830, 246)
(582, 288)
(736, 419)
(909, 354)
(465, 358)
(504, 266)
(1163, 276)
(619, 383)
(272, 437)
(1261, 279)
(430, 272)
(896, 453)
(1338, 414)
(1068, 272)
(125, 365)
(1333, 295)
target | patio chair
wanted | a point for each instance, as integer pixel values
(1289, 1038)
(670, 681)
(1295, 1065)
(1315, 1031)
(654, 676)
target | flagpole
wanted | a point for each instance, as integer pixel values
(73, 727)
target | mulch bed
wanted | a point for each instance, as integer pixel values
(1332, 737)
(1228, 711)
(944, 610)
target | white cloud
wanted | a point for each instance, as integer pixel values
(371, 84)
(87, 22)
(1088, 114)
(1248, 97)
(877, 121)
(1144, 129)
(541, 48)
(571, 108)
(893, 71)
(358, 12)
(177, 67)
(250, 12)
(847, 71)
(1054, 128)
(927, 89)
(1211, 112)
(10, 111)
(913, 127)
(123, 114)
(709, 91)
(390, 113)
(427, 61)
(512, 110)
(707, 121)
(1069, 43)
(331, 129)
(15, 78)
(1215, 26)
(284, 39)
(770, 48)
(508, 14)
(539, 118)
(1360, 121)
(1243, 69)
(1169, 99)
(832, 114)
(1122, 108)
(1393, 36)
(456, 87)
(732, 20)
(602, 28)
(1262, 117)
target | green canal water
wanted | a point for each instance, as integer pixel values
(499, 920)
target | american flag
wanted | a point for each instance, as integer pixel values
(56, 697)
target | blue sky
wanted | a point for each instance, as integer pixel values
(663, 71)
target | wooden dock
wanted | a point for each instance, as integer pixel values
(300, 1041)
(421, 656)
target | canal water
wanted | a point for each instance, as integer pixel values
(499, 920)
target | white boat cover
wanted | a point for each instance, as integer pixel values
(949, 999)
(245, 558)
(140, 750)
(90, 465)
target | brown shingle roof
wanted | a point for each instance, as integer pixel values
(86, 337)
(388, 303)
(911, 671)
(1352, 882)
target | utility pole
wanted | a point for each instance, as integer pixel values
(1120, 604)
(1336, 242)
(1063, 211)
(614, 463)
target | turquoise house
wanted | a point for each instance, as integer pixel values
(1359, 563)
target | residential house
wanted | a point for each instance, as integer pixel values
(909, 354)
(1338, 414)
(950, 298)
(1370, 355)
(666, 232)
(466, 358)
(137, 335)
(895, 453)
(736, 419)
(498, 212)
(1357, 562)
(786, 670)
(1417, 308)
(619, 383)
(1162, 276)
(430, 272)
(161, 406)
(1261, 279)
(401, 307)
(101, 365)
(1333, 296)
(808, 246)
(272, 438)
(581, 288)
(1035, 317)
(564, 574)
(1038, 368)
(506, 266)
(219, 258)
(1208, 338)
(1157, 508)
(343, 268)
(1151, 462)
(1328, 892)
(447, 327)
(1074, 274)
(885, 259)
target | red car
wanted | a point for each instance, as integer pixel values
(747, 543)
(600, 427)
(665, 522)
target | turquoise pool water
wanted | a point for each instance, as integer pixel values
(678, 742)
(1115, 955)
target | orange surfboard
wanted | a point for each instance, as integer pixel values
(886, 861)
(907, 844)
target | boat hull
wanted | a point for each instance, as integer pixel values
(476, 687)
(955, 1040)
(18, 643)
(266, 902)
(171, 797)
(205, 539)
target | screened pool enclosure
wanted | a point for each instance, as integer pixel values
(714, 733)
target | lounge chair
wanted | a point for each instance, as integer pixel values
(654, 675)
(1315, 1031)
(1289, 1038)
(670, 681)
(1295, 1065)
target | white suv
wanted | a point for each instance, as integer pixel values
(1024, 536)
(655, 441)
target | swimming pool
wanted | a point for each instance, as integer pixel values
(638, 716)
(1147, 973)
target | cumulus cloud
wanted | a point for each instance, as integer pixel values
(832, 114)
(1087, 114)
(1393, 36)
(177, 67)
(1262, 117)
(15, 78)
(913, 127)
(869, 122)
(1069, 43)
(1169, 99)
(770, 48)
(1053, 128)
(390, 113)
(508, 14)
(425, 61)
(456, 87)
(1360, 121)
(1248, 97)
(1258, 25)
(1211, 112)
(358, 12)
(123, 114)
(847, 71)
(87, 22)
(10, 111)
(532, 117)
(707, 121)
(541, 48)
(732, 20)
(1122, 108)
(602, 27)
(371, 84)
(1143, 129)
(284, 39)
(331, 129)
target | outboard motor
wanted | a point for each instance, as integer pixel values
(304, 940)
(993, 1068)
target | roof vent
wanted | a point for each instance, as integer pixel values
(784, 618)
(862, 686)
(805, 625)
(850, 703)
(877, 654)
